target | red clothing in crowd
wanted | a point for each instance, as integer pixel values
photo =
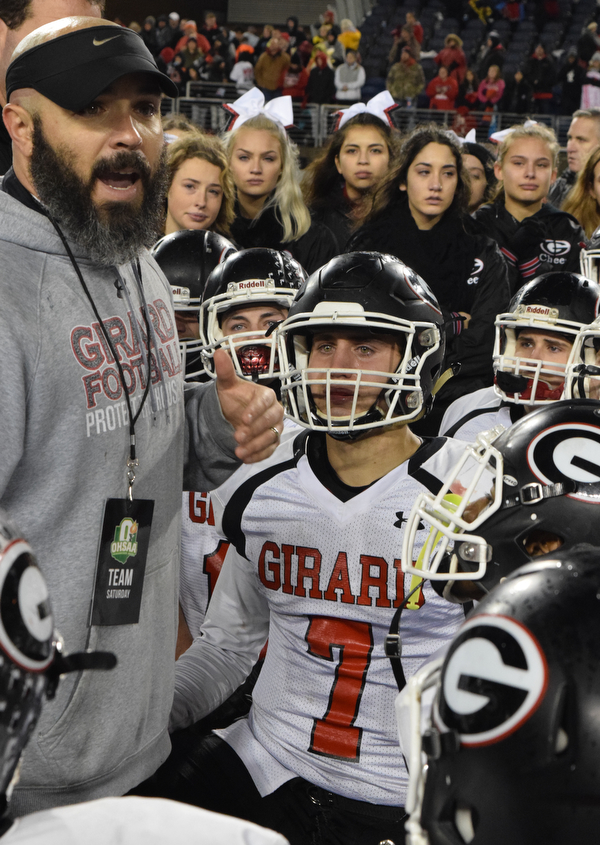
(418, 31)
(455, 60)
(442, 93)
(512, 11)
(490, 91)
(294, 83)
(203, 43)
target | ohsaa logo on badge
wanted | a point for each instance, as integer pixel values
(125, 544)
(494, 678)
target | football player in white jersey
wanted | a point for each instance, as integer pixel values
(187, 259)
(533, 347)
(317, 532)
(242, 300)
(31, 661)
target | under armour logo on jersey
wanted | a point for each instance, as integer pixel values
(567, 451)
(402, 519)
(493, 680)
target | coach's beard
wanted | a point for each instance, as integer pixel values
(111, 233)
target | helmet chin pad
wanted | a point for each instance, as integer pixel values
(372, 416)
(510, 383)
(254, 359)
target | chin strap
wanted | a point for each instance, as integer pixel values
(583, 372)
(393, 641)
(452, 371)
(534, 492)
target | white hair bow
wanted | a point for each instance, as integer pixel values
(380, 106)
(470, 137)
(500, 136)
(252, 103)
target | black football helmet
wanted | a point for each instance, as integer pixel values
(509, 751)
(30, 650)
(187, 258)
(377, 294)
(543, 487)
(249, 278)
(555, 302)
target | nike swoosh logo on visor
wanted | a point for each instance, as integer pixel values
(97, 43)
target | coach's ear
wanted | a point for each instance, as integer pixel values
(19, 125)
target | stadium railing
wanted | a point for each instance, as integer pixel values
(313, 123)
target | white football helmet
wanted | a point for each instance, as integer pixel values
(554, 303)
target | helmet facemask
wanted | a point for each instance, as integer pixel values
(255, 357)
(528, 381)
(454, 551)
(189, 347)
(589, 261)
(399, 395)
(583, 374)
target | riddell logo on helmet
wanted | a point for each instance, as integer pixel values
(539, 310)
(252, 283)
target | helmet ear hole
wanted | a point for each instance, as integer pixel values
(541, 542)
(562, 741)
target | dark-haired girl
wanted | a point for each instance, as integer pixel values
(420, 215)
(339, 184)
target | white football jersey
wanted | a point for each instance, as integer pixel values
(135, 821)
(479, 411)
(203, 551)
(323, 578)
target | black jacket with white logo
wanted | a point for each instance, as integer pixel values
(466, 272)
(548, 240)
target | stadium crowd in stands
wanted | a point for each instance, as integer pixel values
(518, 57)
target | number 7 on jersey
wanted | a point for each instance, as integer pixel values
(335, 735)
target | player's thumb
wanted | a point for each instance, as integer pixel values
(224, 369)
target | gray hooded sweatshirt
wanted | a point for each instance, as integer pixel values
(64, 445)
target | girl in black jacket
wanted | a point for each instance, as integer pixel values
(339, 183)
(533, 235)
(420, 216)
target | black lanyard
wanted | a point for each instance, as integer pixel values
(132, 460)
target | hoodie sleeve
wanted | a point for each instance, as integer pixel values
(209, 446)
